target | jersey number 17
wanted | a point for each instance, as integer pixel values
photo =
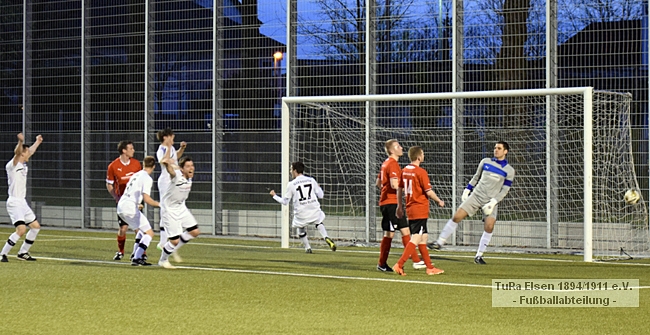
(302, 196)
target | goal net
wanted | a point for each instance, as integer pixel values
(571, 149)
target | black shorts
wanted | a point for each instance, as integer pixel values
(418, 227)
(389, 221)
(121, 222)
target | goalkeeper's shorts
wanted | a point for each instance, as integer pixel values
(473, 205)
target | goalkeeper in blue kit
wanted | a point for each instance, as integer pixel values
(488, 187)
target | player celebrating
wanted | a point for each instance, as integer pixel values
(388, 181)
(117, 176)
(488, 187)
(17, 208)
(166, 138)
(138, 188)
(415, 185)
(177, 217)
(306, 208)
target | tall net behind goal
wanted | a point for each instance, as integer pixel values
(340, 140)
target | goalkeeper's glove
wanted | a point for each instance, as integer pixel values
(489, 207)
(465, 195)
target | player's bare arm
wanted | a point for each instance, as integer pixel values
(169, 165)
(32, 149)
(378, 182)
(149, 201)
(394, 183)
(18, 151)
(181, 150)
(399, 212)
(433, 196)
(111, 191)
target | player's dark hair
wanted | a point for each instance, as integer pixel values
(414, 152)
(504, 144)
(122, 146)
(149, 161)
(25, 147)
(298, 167)
(183, 160)
(161, 134)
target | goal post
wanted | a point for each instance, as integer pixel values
(561, 140)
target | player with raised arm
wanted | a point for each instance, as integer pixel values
(415, 185)
(490, 184)
(305, 192)
(180, 224)
(19, 212)
(128, 208)
(388, 181)
(118, 174)
(166, 138)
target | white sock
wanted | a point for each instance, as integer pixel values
(482, 245)
(136, 243)
(11, 241)
(167, 250)
(305, 241)
(29, 240)
(142, 247)
(321, 230)
(449, 228)
(163, 237)
(184, 239)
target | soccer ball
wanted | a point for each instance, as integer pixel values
(632, 196)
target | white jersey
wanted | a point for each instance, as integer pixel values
(178, 191)
(163, 179)
(305, 193)
(17, 179)
(139, 185)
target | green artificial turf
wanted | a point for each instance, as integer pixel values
(229, 286)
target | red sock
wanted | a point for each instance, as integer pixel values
(405, 241)
(410, 249)
(425, 255)
(121, 240)
(384, 249)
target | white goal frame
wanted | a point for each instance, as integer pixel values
(586, 92)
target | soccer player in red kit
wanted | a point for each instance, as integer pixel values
(117, 176)
(415, 185)
(388, 181)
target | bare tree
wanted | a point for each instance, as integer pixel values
(341, 34)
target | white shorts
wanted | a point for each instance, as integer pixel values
(473, 204)
(18, 210)
(177, 220)
(129, 212)
(297, 223)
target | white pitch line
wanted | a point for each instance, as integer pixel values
(433, 254)
(275, 273)
(74, 239)
(290, 274)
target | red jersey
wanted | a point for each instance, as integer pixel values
(389, 169)
(118, 174)
(415, 182)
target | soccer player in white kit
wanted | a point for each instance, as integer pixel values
(17, 208)
(180, 224)
(305, 192)
(490, 184)
(138, 189)
(166, 138)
